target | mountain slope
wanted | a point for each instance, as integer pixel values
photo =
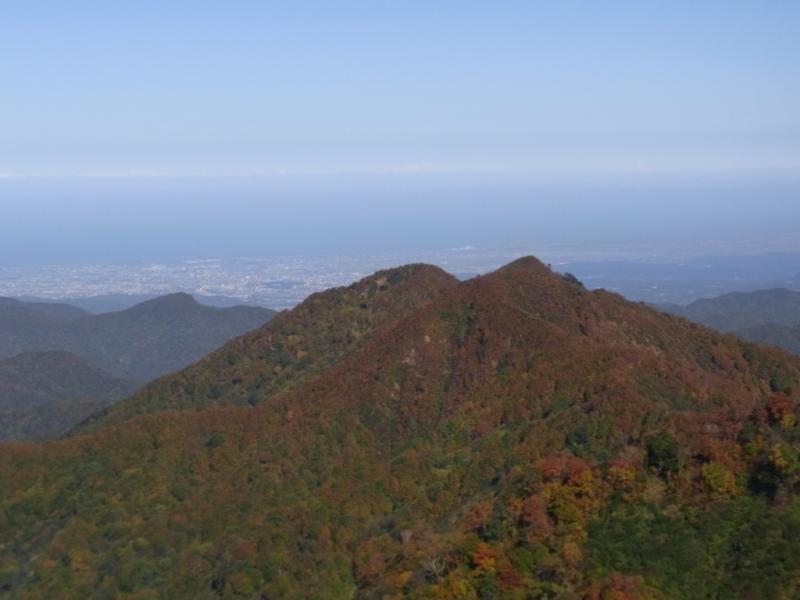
(139, 344)
(742, 310)
(160, 335)
(24, 328)
(293, 345)
(765, 316)
(55, 310)
(514, 436)
(43, 394)
(783, 336)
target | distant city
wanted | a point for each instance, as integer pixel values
(654, 273)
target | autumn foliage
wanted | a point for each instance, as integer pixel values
(511, 436)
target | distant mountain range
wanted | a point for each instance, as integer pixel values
(137, 344)
(411, 436)
(766, 316)
(116, 302)
(682, 282)
(64, 363)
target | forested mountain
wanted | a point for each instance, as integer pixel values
(138, 344)
(293, 345)
(775, 335)
(510, 436)
(10, 307)
(104, 303)
(764, 316)
(43, 394)
(25, 327)
(54, 310)
(741, 310)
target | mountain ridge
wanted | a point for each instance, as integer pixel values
(140, 343)
(512, 435)
(337, 318)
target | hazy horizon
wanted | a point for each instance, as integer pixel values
(152, 132)
(79, 221)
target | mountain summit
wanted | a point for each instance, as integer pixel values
(293, 346)
(510, 436)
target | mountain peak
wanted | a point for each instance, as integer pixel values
(527, 268)
(415, 272)
(175, 298)
(176, 301)
(527, 263)
(511, 429)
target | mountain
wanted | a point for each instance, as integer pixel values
(741, 310)
(43, 394)
(104, 303)
(27, 327)
(764, 316)
(138, 344)
(774, 335)
(510, 436)
(294, 345)
(54, 310)
(689, 278)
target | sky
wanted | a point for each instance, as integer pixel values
(575, 120)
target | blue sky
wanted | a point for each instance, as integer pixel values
(170, 129)
(173, 87)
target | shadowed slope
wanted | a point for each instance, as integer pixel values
(137, 344)
(43, 394)
(764, 316)
(742, 310)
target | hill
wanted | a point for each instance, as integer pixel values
(765, 316)
(104, 303)
(26, 327)
(294, 345)
(54, 310)
(742, 310)
(44, 394)
(514, 436)
(138, 344)
(783, 336)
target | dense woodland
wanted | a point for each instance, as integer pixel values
(512, 436)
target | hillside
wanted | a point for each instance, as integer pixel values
(293, 345)
(764, 316)
(54, 310)
(513, 436)
(783, 336)
(137, 344)
(25, 327)
(742, 310)
(44, 394)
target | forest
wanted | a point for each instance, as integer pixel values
(411, 436)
